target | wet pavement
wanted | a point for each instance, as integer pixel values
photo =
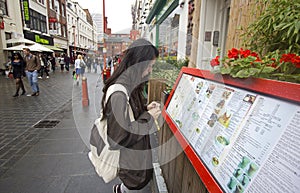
(44, 139)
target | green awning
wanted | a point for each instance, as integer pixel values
(54, 48)
(157, 7)
(169, 10)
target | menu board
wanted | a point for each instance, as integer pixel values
(248, 141)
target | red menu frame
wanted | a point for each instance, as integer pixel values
(278, 89)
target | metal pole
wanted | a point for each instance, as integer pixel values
(104, 43)
(104, 73)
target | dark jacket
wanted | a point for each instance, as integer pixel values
(132, 138)
(18, 68)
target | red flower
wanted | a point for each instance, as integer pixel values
(272, 65)
(245, 53)
(215, 62)
(296, 61)
(233, 53)
(254, 54)
(287, 57)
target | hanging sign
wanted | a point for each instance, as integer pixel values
(1, 23)
(26, 11)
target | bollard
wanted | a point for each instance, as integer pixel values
(104, 74)
(85, 95)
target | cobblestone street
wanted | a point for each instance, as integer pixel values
(40, 156)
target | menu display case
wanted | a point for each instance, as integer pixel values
(240, 135)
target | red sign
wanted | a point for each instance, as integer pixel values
(1, 23)
(52, 20)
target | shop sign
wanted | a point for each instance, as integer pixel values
(38, 39)
(52, 20)
(1, 23)
(26, 11)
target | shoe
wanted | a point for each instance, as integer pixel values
(23, 93)
(47, 77)
(15, 95)
(40, 77)
(117, 188)
(37, 93)
(33, 94)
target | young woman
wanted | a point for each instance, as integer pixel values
(18, 66)
(132, 138)
(79, 67)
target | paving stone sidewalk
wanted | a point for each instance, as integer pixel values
(50, 156)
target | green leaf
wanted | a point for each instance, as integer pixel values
(224, 70)
(254, 71)
(268, 69)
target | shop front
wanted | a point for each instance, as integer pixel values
(164, 27)
(38, 38)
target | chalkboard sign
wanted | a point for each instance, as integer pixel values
(240, 135)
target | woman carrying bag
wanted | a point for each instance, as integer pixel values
(18, 66)
(130, 136)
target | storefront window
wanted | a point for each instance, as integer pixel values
(41, 2)
(63, 10)
(38, 21)
(168, 36)
(51, 4)
(3, 7)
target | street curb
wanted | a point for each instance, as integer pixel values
(159, 185)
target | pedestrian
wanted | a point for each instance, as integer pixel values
(61, 61)
(18, 65)
(96, 63)
(79, 68)
(67, 62)
(32, 67)
(52, 62)
(44, 66)
(132, 139)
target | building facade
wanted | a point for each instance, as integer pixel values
(11, 26)
(192, 29)
(61, 25)
(81, 30)
(58, 23)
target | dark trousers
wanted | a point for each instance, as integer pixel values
(44, 69)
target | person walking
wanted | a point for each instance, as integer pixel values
(18, 66)
(67, 62)
(44, 66)
(53, 63)
(131, 138)
(32, 66)
(61, 61)
(79, 68)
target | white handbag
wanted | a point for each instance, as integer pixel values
(107, 163)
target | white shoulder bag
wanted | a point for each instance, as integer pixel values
(107, 163)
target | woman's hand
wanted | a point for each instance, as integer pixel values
(154, 109)
(152, 105)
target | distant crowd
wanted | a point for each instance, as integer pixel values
(37, 65)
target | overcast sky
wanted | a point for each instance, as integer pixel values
(117, 11)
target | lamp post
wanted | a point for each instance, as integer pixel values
(74, 50)
(104, 45)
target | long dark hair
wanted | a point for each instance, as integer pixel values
(129, 73)
(19, 56)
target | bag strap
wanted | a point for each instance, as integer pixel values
(113, 88)
(119, 87)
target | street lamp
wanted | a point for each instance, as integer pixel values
(73, 26)
(106, 72)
